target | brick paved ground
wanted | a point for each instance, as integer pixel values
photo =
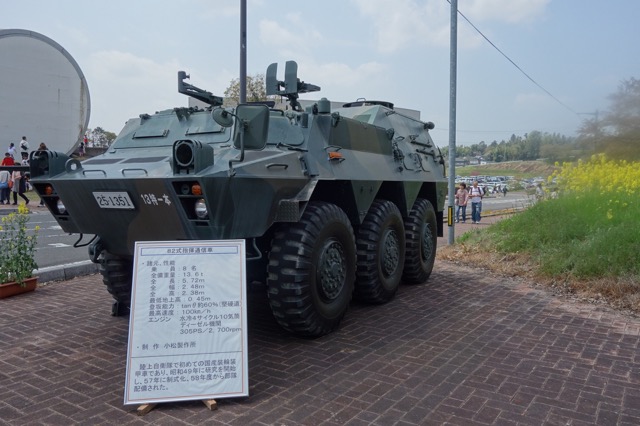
(462, 349)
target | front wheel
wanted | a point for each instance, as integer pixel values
(422, 238)
(312, 270)
(116, 275)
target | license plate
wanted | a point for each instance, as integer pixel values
(113, 200)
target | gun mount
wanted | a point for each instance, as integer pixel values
(196, 92)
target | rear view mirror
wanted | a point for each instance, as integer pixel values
(252, 126)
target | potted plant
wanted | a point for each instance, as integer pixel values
(17, 247)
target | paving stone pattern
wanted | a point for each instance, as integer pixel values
(465, 348)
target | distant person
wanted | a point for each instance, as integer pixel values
(5, 177)
(19, 187)
(41, 147)
(7, 160)
(462, 197)
(539, 192)
(24, 145)
(504, 190)
(476, 193)
(81, 149)
(25, 176)
(12, 150)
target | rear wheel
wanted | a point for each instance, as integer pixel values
(312, 270)
(116, 275)
(381, 251)
(422, 238)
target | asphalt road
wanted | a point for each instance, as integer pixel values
(55, 247)
(513, 201)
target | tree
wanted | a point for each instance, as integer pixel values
(617, 133)
(532, 144)
(624, 114)
(557, 153)
(101, 137)
(256, 90)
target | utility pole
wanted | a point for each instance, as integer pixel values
(453, 65)
(243, 51)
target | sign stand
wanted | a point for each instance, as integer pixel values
(144, 409)
(211, 404)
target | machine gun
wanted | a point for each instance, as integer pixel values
(291, 84)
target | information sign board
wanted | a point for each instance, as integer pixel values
(188, 322)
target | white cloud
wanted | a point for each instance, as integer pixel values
(346, 76)
(128, 67)
(511, 11)
(140, 85)
(131, 83)
(404, 24)
(342, 82)
(78, 36)
(298, 38)
(531, 99)
(272, 33)
(209, 11)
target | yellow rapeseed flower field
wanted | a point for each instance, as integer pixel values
(620, 179)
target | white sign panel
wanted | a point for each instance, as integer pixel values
(188, 322)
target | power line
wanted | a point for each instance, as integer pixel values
(513, 63)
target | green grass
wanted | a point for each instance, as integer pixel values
(588, 237)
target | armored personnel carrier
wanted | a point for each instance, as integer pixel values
(332, 204)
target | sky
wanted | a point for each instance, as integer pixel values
(578, 51)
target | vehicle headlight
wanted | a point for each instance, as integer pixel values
(201, 209)
(60, 207)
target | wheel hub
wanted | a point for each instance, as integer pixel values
(390, 253)
(332, 270)
(427, 243)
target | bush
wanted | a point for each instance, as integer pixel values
(17, 247)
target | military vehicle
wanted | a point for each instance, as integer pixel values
(331, 203)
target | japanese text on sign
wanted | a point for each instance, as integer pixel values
(187, 332)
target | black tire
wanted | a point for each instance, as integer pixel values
(116, 275)
(311, 271)
(380, 246)
(422, 240)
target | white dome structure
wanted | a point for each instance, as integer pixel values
(43, 93)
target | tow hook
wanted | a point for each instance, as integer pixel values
(95, 248)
